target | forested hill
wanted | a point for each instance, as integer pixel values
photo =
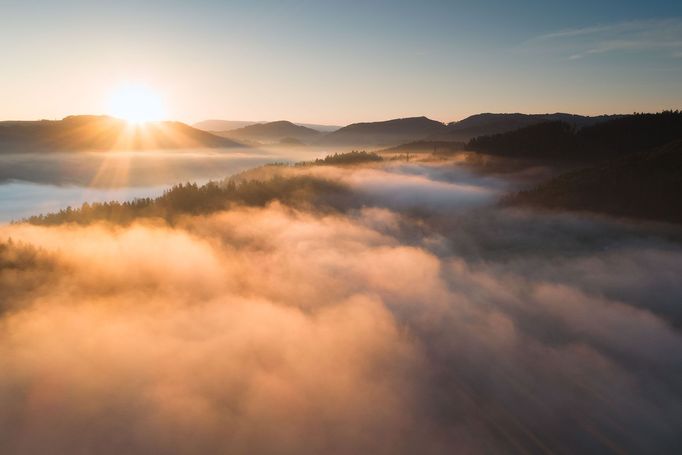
(488, 123)
(90, 132)
(604, 140)
(255, 187)
(388, 133)
(640, 185)
(193, 199)
(271, 132)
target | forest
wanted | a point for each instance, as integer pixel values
(192, 199)
(605, 140)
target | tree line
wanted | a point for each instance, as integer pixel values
(605, 140)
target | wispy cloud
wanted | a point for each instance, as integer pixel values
(662, 36)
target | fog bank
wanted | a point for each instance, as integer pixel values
(425, 320)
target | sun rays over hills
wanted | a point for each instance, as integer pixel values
(89, 132)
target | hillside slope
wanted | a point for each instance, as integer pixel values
(487, 124)
(272, 132)
(605, 140)
(642, 185)
(228, 125)
(388, 133)
(86, 132)
(221, 125)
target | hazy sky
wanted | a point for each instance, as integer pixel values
(341, 61)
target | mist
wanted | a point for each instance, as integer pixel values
(32, 182)
(421, 318)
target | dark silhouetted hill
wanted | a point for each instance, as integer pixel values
(487, 124)
(631, 133)
(544, 140)
(272, 132)
(227, 125)
(222, 125)
(87, 132)
(387, 133)
(321, 128)
(604, 140)
(641, 185)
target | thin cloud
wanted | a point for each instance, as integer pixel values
(651, 36)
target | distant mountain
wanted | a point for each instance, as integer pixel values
(321, 128)
(399, 131)
(88, 132)
(487, 124)
(641, 185)
(387, 133)
(227, 125)
(604, 140)
(272, 132)
(222, 125)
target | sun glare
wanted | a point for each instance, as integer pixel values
(136, 103)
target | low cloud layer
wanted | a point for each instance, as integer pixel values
(458, 328)
(125, 169)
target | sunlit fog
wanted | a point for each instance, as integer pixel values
(300, 228)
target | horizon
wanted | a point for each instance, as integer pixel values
(445, 122)
(337, 64)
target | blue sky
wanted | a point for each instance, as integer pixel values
(339, 62)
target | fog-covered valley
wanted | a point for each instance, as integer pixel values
(286, 227)
(38, 182)
(379, 307)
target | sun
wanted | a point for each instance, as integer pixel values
(136, 104)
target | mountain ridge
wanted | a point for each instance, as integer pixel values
(602, 140)
(383, 133)
(213, 125)
(276, 131)
(100, 132)
(494, 123)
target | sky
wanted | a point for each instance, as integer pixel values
(338, 62)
